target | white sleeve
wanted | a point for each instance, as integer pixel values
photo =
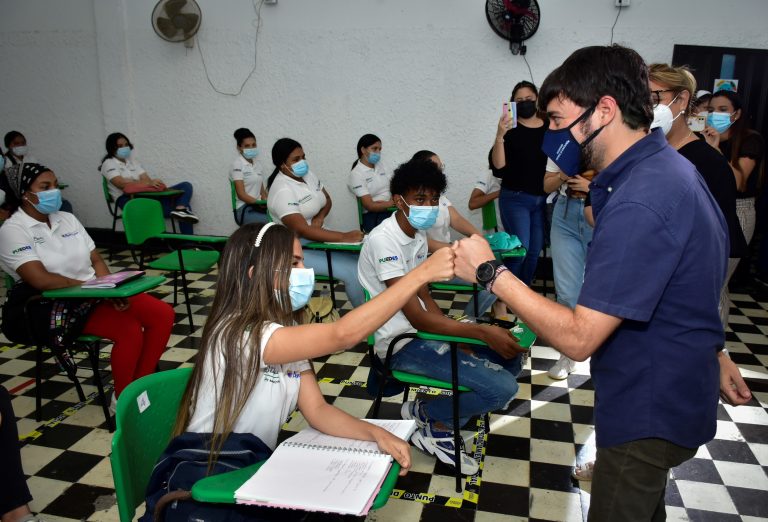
(356, 184)
(110, 169)
(282, 202)
(266, 335)
(17, 246)
(236, 171)
(551, 166)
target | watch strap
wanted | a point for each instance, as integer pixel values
(499, 270)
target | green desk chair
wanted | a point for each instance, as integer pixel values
(459, 287)
(239, 219)
(143, 220)
(490, 222)
(359, 212)
(114, 211)
(142, 436)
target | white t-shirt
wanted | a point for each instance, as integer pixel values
(364, 181)
(269, 404)
(64, 248)
(488, 183)
(552, 167)
(251, 174)
(129, 170)
(288, 196)
(387, 253)
(441, 230)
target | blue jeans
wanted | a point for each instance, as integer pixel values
(484, 298)
(492, 379)
(170, 203)
(522, 214)
(344, 268)
(570, 236)
(248, 214)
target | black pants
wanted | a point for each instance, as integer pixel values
(630, 480)
(14, 493)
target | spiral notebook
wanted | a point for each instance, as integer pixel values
(317, 472)
(113, 280)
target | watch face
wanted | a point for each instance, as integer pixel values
(485, 272)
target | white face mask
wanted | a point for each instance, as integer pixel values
(662, 116)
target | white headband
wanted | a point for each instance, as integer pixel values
(260, 236)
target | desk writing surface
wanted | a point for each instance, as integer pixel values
(128, 289)
(157, 194)
(348, 247)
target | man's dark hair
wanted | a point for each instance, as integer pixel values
(415, 175)
(593, 72)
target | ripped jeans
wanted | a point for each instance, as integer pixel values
(492, 379)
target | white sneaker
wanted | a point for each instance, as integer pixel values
(562, 368)
(184, 214)
(113, 404)
(440, 445)
(411, 410)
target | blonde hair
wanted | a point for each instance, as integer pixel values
(677, 79)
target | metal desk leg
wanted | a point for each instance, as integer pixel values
(330, 276)
(456, 432)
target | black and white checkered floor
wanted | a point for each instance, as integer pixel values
(527, 455)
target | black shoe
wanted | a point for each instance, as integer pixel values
(184, 214)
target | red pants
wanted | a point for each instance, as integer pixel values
(140, 335)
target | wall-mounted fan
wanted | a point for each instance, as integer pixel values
(514, 20)
(177, 20)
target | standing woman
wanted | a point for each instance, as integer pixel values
(728, 132)
(298, 200)
(45, 249)
(369, 182)
(517, 158)
(248, 176)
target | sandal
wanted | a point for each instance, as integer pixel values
(583, 472)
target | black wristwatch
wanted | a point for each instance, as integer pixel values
(486, 273)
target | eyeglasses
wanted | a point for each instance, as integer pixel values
(656, 96)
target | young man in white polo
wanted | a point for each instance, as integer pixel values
(394, 248)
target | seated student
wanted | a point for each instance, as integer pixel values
(121, 171)
(298, 200)
(14, 495)
(248, 176)
(369, 182)
(17, 154)
(439, 236)
(44, 249)
(487, 188)
(253, 368)
(391, 252)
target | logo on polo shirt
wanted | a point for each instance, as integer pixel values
(305, 199)
(22, 249)
(421, 256)
(293, 203)
(70, 234)
(357, 186)
(38, 240)
(387, 259)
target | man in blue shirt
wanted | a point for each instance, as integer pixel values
(647, 313)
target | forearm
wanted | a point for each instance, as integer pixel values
(99, 266)
(321, 234)
(479, 199)
(552, 181)
(326, 209)
(333, 421)
(377, 206)
(51, 281)
(498, 155)
(434, 245)
(461, 225)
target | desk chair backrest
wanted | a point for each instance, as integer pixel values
(145, 416)
(233, 193)
(142, 219)
(490, 222)
(111, 204)
(359, 212)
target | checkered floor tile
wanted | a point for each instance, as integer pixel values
(527, 452)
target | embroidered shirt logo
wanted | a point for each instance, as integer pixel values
(70, 234)
(388, 258)
(22, 249)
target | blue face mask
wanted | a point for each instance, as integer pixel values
(49, 201)
(373, 158)
(300, 168)
(249, 154)
(562, 148)
(301, 284)
(123, 152)
(720, 121)
(19, 151)
(422, 217)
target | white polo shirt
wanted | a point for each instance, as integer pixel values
(288, 196)
(64, 248)
(488, 183)
(367, 181)
(251, 174)
(388, 252)
(129, 170)
(441, 230)
(26, 159)
(269, 404)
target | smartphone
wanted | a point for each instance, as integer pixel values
(697, 122)
(510, 109)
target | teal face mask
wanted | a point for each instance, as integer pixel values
(249, 154)
(422, 217)
(301, 284)
(123, 152)
(720, 121)
(49, 201)
(300, 168)
(373, 158)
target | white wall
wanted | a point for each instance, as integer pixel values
(420, 74)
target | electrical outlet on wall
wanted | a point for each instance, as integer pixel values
(621, 3)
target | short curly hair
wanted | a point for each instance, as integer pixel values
(417, 174)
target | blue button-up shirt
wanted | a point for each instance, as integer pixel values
(657, 260)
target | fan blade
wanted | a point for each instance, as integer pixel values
(174, 7)
(186, 22)
(166, 27)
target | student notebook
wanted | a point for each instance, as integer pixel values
(317, 472)
(113, 280)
